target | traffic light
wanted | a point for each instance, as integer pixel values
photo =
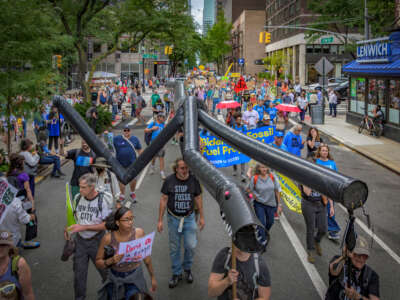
(59, 61)
(267, 38)
(168, 50)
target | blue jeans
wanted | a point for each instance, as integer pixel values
(130, 288)
(189, 242)
(133, 110)
(114, 111)
(302, 114)
(333, 226)
(265, 214)
(215, 102)
(332, 107)
(167, 106)
(51, 159)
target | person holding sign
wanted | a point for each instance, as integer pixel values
(125, 279)
(180, 192)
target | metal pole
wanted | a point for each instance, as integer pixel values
(366, 25)
(143, 84)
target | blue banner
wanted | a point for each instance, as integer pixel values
(222, 155)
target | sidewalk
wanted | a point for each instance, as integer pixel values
(381, 150)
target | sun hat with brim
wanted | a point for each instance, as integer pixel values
(6, 238)
(100, 163)
(266, 117)
(278, 133)
(361, 246)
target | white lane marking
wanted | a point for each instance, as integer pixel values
(142, 177)
(302, 254)
(375, 237)
(133, 122)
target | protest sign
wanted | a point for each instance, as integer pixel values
(136, 250)
(222, 155)
(290, 194)
(69, 207)
(7, 194)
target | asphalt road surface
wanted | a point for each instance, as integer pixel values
(292, 276)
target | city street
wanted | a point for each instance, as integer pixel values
(292, 276)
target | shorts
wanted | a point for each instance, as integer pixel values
(161, 153)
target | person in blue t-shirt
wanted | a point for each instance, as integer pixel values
(54, 120)
(278, 141)
(260, 109)
(324, 158)
(272, 111)
(293, 140)
(239, 126)
(126, 146)
(155, 128)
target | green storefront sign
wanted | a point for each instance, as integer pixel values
(328, 40)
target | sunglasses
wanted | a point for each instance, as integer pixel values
(126, 130)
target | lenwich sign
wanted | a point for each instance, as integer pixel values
(374, 51)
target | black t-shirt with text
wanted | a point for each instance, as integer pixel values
(82, 161)
(181, 194)
(363, 285)
(246, 269)
(316, 145)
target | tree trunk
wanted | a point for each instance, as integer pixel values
(397, 14)
(8, 113)
(82, 72)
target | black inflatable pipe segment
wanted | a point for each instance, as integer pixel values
(237, 211)
(352, 193)
(124, 175)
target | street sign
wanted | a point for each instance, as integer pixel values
(241, 61)
(259, 62)
(153, 56)
(323, 80)
(328, 40)
(323, 66)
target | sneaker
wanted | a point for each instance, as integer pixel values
(152, 170)
(30, 245)
(318, 249)
(333, 236)
(173, 282)
(61, 173)
(310, 258)
(276, 216)
(244, 178)
(234, 173)
(122, 198)
(189, 276)
(133, 197)
(162, 175)
(55, 175)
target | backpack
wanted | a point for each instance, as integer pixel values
(15, 293)
(143, 103)
(99, 203)
(147, 135)
(256, 275)
(255, 179)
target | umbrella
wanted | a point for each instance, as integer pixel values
(228, 104)
(288, 107)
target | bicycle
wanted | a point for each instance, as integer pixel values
(374, 127)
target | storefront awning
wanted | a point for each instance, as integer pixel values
(391, 69)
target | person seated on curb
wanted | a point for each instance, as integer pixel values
(15, 274)
(107, 181)
(251, 276)
(46, 158)
(15, 217)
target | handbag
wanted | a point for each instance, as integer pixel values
(31, 229)
(69, 249)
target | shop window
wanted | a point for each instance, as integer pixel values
(317, 49)
(334, 49)
(325, 49)
(394, 102)
(312, 74)
(376, 95)
(341, 49)
(357, 93)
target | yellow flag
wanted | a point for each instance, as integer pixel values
(69, 207)
(290, 194)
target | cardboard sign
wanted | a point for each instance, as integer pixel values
(136, 250)
(7, 194)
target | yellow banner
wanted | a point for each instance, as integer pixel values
(69, 208)
(236, 75)
(290, 194)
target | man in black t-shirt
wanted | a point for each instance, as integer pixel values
(364, 280)
(251, 276)
(180, 192)
(82, 158)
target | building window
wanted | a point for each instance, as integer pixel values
(298, 5)
(291, 10)
(376, 95)
(341, 49)
(334, 49)
(309, 48)
(394, 102)
(357, 95)
(317, 49)
(96, 47)
(325, 49)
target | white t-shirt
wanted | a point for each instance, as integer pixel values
(87, 212)
(302, 102)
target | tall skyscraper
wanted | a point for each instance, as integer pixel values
(208, 15)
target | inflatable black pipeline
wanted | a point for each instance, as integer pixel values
(231, 199)
(352, 193)
(124, 175)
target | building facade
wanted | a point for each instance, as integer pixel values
(302, 53)
(245, 44)
(208, 15)
(233, 8)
